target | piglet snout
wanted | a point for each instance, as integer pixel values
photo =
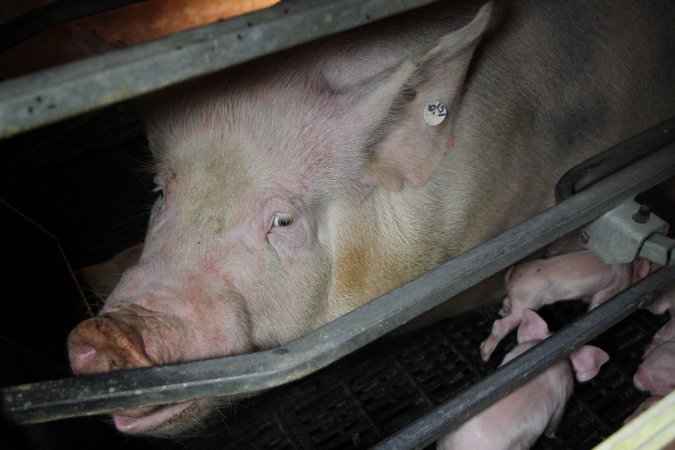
(104, 344)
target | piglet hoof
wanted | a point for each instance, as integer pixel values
(487, 347)
(505, 309)
(641, 380)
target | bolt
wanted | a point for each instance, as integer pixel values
(642, 215)
(585, 237)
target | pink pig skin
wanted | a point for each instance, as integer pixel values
(103, 277)
(656, 373)
(519, 419)
(665, 302)
(579, 275)
(666, 333)
(297, 187)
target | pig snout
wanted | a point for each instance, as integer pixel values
(103, 344)
(133, 337)
(150, 322)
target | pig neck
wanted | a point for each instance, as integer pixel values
(391, 237)
(388, 239)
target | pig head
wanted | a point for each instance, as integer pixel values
(296, 188)
(264, 228)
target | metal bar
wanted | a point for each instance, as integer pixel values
(518, 371)
(250, 373)
(81, 86)
(611, 160)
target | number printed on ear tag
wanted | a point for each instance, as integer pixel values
(434, 113)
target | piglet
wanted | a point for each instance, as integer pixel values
(665, 334)
(665, 303)
(656, 373)
(579, 275)
(517, 420)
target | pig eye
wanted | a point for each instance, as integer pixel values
(282, 221)
(158, 191)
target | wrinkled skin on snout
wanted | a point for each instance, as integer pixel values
(298, 187)
(130, 337)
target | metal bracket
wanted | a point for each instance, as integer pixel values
(627, 232)
(659, 249)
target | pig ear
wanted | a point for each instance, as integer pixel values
(532, 328)
(641, 269)
(410, 148)
(587, 361)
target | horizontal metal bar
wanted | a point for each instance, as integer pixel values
(249, 373)
(45, 97)
(518, 371)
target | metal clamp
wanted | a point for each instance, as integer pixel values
(659, 249)
(627, 232)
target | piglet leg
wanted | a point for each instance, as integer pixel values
(665, 334)
(501, 328)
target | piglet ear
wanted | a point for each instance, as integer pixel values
(641, 269)
(587, 361)
(532, 328)
(410, 143)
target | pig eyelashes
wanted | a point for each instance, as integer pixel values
(280, 220)
(158, 191)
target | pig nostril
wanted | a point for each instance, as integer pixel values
(104, 344)
(82, 357)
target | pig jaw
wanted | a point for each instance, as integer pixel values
(163, 421)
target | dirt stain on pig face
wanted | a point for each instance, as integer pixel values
(209, 185)
(350, 266)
